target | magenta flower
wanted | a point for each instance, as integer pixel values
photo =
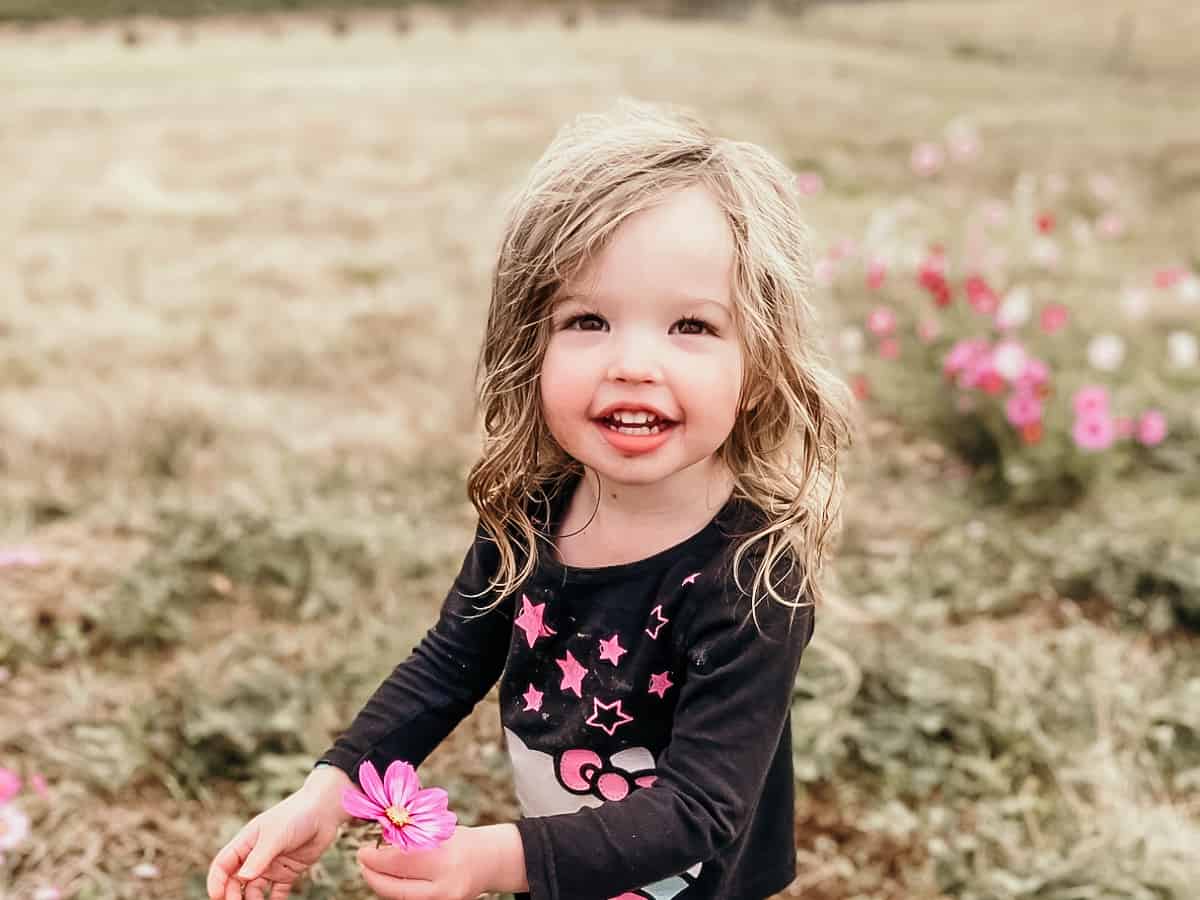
(1091, 402)
(412, 818)
(1095, 432)
(1023, 408)
(1152, 428)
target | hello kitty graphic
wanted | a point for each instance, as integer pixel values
(549, 784)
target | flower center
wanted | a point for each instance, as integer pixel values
(398, 816)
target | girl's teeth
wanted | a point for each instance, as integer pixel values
(637, 429)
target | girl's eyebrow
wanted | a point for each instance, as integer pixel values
(684, 300)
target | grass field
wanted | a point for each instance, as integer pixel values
(247, 262)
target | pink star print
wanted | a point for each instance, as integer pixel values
(660, 682)
(691, 579)
(533, 700)
(623, 718)
(573, 674)
(530, 620)
(612, 649)
(662, 620)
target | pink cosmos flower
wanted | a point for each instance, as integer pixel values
(927, 158)
(1034, 377)
(1091, 402)
(1054, 317)
(1168, 277)
(1152, 428)
(881, 321)
(1023, 409)
(10, 785)
(1111, 225)
(876, 272)
(413, 818)
(981, 297)
(18, 557)
(809, 183)
(962, 355)
(1094, 432)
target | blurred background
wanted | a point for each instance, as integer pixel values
(246, 259)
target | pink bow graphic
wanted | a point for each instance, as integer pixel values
(585, 772)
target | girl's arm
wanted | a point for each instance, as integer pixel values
(729, 724)
(451, 670)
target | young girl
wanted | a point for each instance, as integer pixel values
(657, 491)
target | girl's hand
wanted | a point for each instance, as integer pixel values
(269, 854)
(457, 869)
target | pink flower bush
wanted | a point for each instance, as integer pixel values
(412, 817)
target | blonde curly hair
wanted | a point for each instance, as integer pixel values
(793, 414)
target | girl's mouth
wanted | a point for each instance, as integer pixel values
(633, 433)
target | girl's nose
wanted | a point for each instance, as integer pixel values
(635, 362)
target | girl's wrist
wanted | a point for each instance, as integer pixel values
(329, 781)
(502, 848)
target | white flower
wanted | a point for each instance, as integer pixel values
(851, 341)
(146, 870)
(1134, 303)
(1045, 252)
(47, 893)
(1008, 359)
(14, 826)
(1106, 352)
(1189, 289)
(1016, 308)
(1183, 350)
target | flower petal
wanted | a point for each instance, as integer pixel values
(368, 777)
(436, 826)
(359, 804)
(401, 782)
(428, 800)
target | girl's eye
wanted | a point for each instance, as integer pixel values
(690, 325)
(586, 322)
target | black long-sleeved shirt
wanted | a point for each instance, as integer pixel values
(646, 717)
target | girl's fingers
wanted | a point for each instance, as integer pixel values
(257, 889)
(422, 864)
(281, 891)
(227, 861)
(397, 888)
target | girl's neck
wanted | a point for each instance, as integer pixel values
(606, 524)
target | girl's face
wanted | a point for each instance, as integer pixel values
(643, 370)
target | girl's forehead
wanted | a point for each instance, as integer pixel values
(681, 246)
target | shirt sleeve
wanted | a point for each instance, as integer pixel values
(733, 706)
(448, 672)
